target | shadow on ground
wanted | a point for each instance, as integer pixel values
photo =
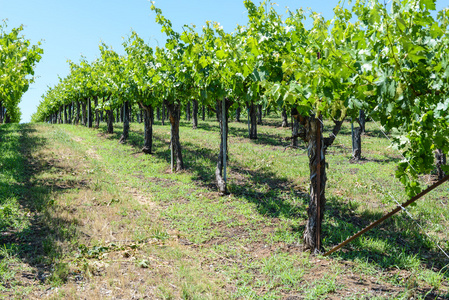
(35, 236)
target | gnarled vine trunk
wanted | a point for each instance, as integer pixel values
(125, 133)
(2, 112)
(440, 158)
(317, 182)
(65, 115)
(295, 127)
(357, 136)
(97, 112)
(259, 114)
(195, 114)
(148, 117)
(78, 113)
(362, 120)
(312, 135)
(7, 117)
(83, 113)
(70, 108)
(60, 115)
(253, 121)
(174, 111)
(284, 118)
(224, 129)
(188, 111)
(238, 111)
(356, 143)
(90, 117)
(110, 114)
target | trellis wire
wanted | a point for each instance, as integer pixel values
(388, 215)
(394, 199)
(409, 214)
(384, 133)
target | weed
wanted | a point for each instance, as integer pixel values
(165, 294)
(322, 287)
(60, 274)
(434, 279)
(282, 271)
(160, 234)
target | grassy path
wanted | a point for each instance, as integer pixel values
(94, 219)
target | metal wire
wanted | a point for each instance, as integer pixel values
(408, 214)
(405, 159)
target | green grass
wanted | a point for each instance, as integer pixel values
(247, 243)
(25, 242)
(11, 179)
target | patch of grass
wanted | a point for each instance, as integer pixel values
(434, 279)
(283, 271)
(321, 288)
(171, 236)
(12, 177)
(8, 258)
(60, 274)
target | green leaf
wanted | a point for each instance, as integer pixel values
(416, 57)
(401, 24)
(258, 75)
(289, 98)
(144, 264)
(442, 108)
(220, 54)
(429, 4)
(246, 70)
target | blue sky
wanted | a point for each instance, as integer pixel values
(69, 29)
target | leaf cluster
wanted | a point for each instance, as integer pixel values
(18, 58)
